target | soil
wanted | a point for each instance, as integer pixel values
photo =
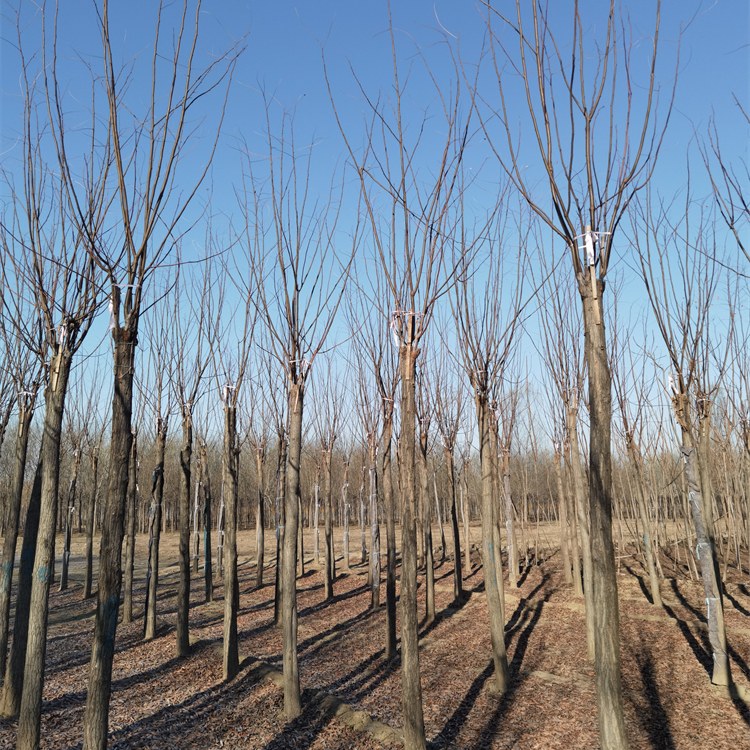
(351, 694)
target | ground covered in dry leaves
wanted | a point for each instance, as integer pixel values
(159, 701)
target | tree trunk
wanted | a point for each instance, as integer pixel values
(390, 538)
(96, 716)
(69, 516)
(25, 412)
(411, 685)
(127, 593)
(710, 574)
(292, 701)
(429, 562)
(345, 511)
(154, 530)
(612, 732)
(316, 531)
(458, 586)
(183, 591)
(231, 584)
(90, 519)
(260, 521)
(208, 575)
(44, 559)
(362, 537)
(14, 671)
(196, 543)
(493, 578)
(374, 529)
(280, 526)
(439, 519)
(330, 572)
(583, 524)
(562, 513)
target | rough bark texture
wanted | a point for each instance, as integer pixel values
(717, 635)
(154, 530)
(606, 610)
(231, 584)
(110, 560)
(583, 523)
(90, 518)
(390, 539)
(44, 559)
(411, 685)
(13, 513)
(127, 592)
(292, 700)
(183, 591)
(14, 670)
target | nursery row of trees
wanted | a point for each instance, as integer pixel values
(415, 347)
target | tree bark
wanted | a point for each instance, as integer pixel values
(127, 593)
(345, 512)
(90, 519)
(183, 591)
(44, 558)
(390, 538)
(260, 522)
(208, 575)
(612, 733)
(292, 700)
(330, 572)
(96, 716)
(458, 586)
(14, 671)
(280, 526)
(25, 413)
(154, 530)
(429, 562)
(231, 584)
(374, 529)
(69, 514)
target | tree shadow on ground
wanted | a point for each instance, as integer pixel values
(702, 651)
(685, 603)
(653, 716)
(736, 604)
(641, 583)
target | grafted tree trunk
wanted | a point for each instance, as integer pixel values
(231, 584)
(127, 593)
(154, 529)
(44, 559)
(292, 700)
(25, 413)
(411, 685)
(110, 560)
(14, 671)
(90, 519)
(612, 732)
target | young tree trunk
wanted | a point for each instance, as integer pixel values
(316, 531)
(208, 575)
(612, 734)
(10, 542)
(710, 574)
(260, 522)
(390, 539)
(127, 592)
(493, 578)
(580, 494)
(14, 671)
(231, 584)
(562, 512)
(465, 520)
(429, 562)
(69, 515)
(292, 701)
(300, 542)
(439, 519)
(154, 530)
(572, 504)
(280, 526)
(96, 716)
(183, 591)
(458, 586)
(510, 526)
(44, 559)
(330, 572)
(374, 529)
(90, 518)
(362, 538)
(345, 511)
(411, 685)
(196, 544)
